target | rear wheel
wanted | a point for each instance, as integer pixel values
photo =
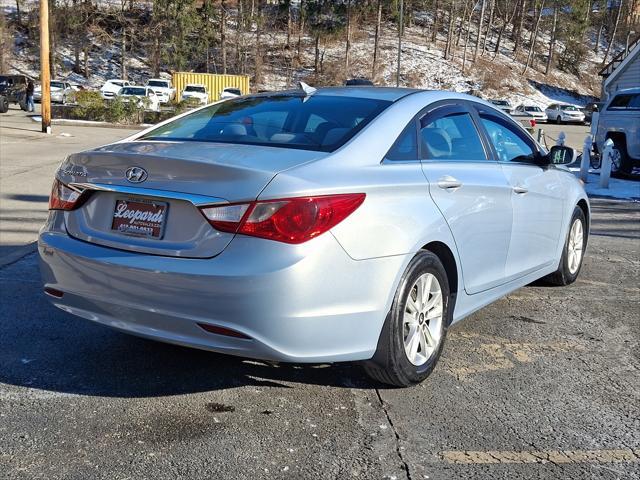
(413, 334)
(620, 161)
(558, 119)
(573, 252)
(4, 104)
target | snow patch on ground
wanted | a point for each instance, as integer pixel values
(618, 188)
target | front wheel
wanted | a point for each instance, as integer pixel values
(573, 252)
(559, 120)
(413, 335)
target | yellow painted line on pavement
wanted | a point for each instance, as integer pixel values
(542, 456)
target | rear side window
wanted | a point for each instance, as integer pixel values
(320, 122)
(406, 146)
(453, 137)
(627, 101)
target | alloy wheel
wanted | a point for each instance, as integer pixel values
(575, 246)
(422, 320)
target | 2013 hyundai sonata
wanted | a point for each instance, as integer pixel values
(341, 224)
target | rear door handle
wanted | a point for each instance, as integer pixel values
(449, 183)
(520, 190)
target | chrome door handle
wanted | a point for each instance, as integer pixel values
(520, 190)
(449, 183)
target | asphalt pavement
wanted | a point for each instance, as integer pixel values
(544, 383)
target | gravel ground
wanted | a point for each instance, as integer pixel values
(542, 384)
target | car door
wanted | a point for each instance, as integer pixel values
(470, 190)
(537, 196)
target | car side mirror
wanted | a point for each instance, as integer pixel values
(560, 155)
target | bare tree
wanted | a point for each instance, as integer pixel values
(348, 40)
(552, 40)
(612, 38)
(376, 40)
(480, 23)
(534, 35)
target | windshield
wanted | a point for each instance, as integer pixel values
(320, 122)
(235, 91)
(57, 85)
(158, 83)
(569, 108)
(193, 88)
(500, 102)
(532, 109)
(132, 91)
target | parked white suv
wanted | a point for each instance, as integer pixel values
(162, 88)
(111, 88)
(564, 113)
(196, 91)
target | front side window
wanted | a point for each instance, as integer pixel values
(319, 122)
(508, 142)
(453, 138)
(406, 146)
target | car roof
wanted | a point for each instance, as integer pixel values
(367, 92)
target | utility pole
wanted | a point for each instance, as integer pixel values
(400, 29)
(45, 79)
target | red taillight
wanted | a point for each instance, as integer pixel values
(63, 197)
(290, 220)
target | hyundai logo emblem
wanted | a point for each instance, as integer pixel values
(136, 174)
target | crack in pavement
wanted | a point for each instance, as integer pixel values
(405, 465)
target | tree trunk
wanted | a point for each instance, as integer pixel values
(376, 40)
(258, 47)
(239, 35)
(123, 54)
(532, 47)
(480, 23)
(447, 48)
(85, 58)
(300, 30)
(436, 17)
(518, 32)
(596, 48)
(223, 36)
(466, 41)
(613, 35)
(552, 41)
(464, 15)
(317, 55)
(348, 42)
(489, 25)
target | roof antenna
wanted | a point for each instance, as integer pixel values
(307, 89)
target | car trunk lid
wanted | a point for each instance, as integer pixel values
(170, 181)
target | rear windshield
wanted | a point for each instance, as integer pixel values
(132, 91)
(57, 84)
(193, 88)
(157, 83)
(627, 101)
(532, 109)
(320, 122)
(235, 91)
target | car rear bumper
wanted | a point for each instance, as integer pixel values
(296, 303)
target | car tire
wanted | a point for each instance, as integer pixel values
(403, 358)
(623, 164)
(575, 244)
(4, 105)
(559, 120)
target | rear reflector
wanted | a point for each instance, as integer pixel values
(222, 331)
(289, 220)
(53, 292)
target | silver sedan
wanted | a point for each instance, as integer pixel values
(339, 224)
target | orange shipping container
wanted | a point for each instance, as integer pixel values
(214, 83)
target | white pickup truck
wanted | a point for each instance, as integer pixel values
(162, 88)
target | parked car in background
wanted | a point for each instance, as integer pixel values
(138, 94)
(564, 113)
(339, 224)
(619, 120)
(61, 92)
(111, 88)
(358, 82)
(589, 109)
(504, 105)
(13, 88)
(197, 92)
(163, 89)
(230, 92)
(531, 112)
